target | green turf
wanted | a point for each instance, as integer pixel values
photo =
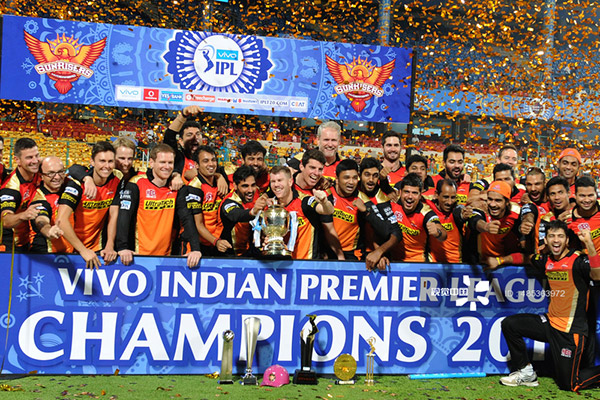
(200, 387)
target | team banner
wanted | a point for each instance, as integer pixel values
(129, 66)
(158, 316)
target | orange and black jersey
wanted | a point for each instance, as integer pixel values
(150, 216)
(78, 172)
(569, 280)
(515, 196)
(380, 207)
(484, 244)
(578, 222)
(538, 233)
(329, 170)
(235, 217)
(462, 191)
(413, 247)
(299, 189)
(90, 215)
(48, 207)
(397, 175)
(208, 204)
(15, 195)
(349, 223)
(450, 250)
(308, 226)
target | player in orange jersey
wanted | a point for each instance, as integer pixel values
(46, 236)
(150, 213)
(416, 221)
(586, 213)
(450, 215)
(238, 208)
(569, 163)
(306, 208)
(565, 325)
(454, 164)
(16, 194)
(86, 232)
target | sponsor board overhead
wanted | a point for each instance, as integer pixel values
(129, 66)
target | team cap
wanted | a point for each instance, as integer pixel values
(500, 187)
(570, 152)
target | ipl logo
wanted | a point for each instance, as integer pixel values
(207, 61)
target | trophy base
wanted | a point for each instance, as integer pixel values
(225, 382)
(350, 382)
(305, 377)
(249, 380)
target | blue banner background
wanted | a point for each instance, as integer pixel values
(427, 318)
(153, 68)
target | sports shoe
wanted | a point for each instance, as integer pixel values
(523, 377)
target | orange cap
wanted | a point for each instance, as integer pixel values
(570, 152)
(500, 187)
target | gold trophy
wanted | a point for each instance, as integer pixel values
(275, 226)
(306, 375)
(252, 325)
(227, 358)
(369, 381)
(345, 369)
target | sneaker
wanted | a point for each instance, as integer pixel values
(520, 378)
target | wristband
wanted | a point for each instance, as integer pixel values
(500, 260)
(183, 114)
(518, 258)
(215, 242)
(595, 261)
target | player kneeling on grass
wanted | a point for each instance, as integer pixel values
(565, 325)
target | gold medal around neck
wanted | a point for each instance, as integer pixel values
(344, 367)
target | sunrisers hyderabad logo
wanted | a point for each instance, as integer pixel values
(64, 60)
(359, 80)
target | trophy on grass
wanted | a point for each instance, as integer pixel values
(275, 222)
(369, 381)
(227, 358)
(252, 326)
(306, 375)
(344, 369)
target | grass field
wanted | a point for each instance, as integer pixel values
(201, 387)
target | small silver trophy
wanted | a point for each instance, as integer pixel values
(227, 358)
(252, 325)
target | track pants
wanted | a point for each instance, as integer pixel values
(567, 349)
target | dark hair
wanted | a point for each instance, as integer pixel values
(557, 180)
(24, 144)
(346, 165)
(535, 171)
(101, 147)
(313, 154)
(370, 162)
(503, 167)
(190, 124)
(453, 148)
(252, 147)
(584, 181)
(161, 148)
(411, 179)
(1, 139)
(390, 134)
(414, 159)
(206, 149)
(507, 147)
(557, 224)
(448, 182)
(278, 169)
(242, 173)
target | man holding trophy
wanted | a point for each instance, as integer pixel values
(304, 213)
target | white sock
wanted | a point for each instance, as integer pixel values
(528, 369)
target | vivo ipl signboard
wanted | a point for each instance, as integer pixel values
(129, 66)
(158, 316)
